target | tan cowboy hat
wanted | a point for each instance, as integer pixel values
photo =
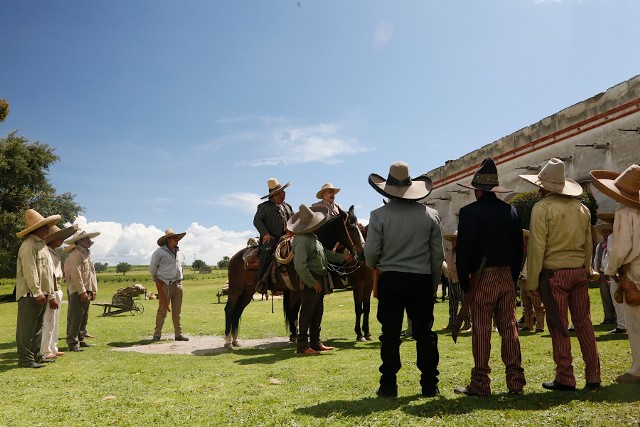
(307, 220)
(81, 235)
(552, 178)
(451, 237)
(169, 233)
(327, 186)
(274, 187)
(56, 232)
(68, 249)
(606, 216)
(34, 220)
(399, 184)
(486, 178)
(622, 187)
(601, 226)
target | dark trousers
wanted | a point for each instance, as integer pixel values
(311, 310)
(77, 316)
(29, 329)
(412, 292)
(265, 253)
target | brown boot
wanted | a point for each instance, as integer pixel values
(321, 347)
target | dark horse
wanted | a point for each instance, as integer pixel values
(242, 282)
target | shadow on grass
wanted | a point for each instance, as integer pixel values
(440, 406)
(124, 344)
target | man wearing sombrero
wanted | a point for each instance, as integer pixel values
(558, 266)
(310, 261)
(270, 220)
(34, 286)
(51, 323)
(613, 311)
(404, 243)
(489, 230)
(624, 255)
(327, 196)
(82, 287)
(166, 271)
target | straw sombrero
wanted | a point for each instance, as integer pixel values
(606, 216)
(622, 187)
(486, 178)
(451, 237)
(399, 184)
(56, 232)
(601, 226)
(327, 186)
(34, 220)
(307, 219)
(169, 233)
(552, 178)
(274, 187)
(81, 235)
(68, 249)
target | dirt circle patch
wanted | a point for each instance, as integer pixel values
(202, 345)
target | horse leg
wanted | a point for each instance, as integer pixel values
(291, 306)
(357, 301)
(229, 317)
(245, 299)
(366, 309)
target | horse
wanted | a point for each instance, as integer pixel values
(243, 282)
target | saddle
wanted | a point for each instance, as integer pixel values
(251, 256)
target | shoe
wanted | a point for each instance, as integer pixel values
(59, 353)
(539, 330)
(430, 392)
(524, 328)
(552, 385)
(593, 386)
(261, 287)
(76, 349)
(88, 335)
(308, 351)
(607, 322)
(155, 338)
(617, 331)
(627, 378)
(182, 338)
(322, 347)
(86, 345)
(465, 390)
(32, 365)
(387, 392)
(45, 359)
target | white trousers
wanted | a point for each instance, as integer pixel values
(51, 328)
(632, 316)
(622, 324)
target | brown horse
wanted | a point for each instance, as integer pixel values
(242, 282)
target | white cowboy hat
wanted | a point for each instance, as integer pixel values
(552, 178)
(169, 233)
(486, 178)
(451, 237)
(307, 220)
(274, 187)
(81, 235)
(601, 226)
(622, 187)
(34, 220)
(327, 186)
(399, 184)
(56, 232)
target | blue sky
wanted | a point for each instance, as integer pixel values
(175, 114)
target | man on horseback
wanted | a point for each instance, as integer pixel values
(270, 220)
(327, 196)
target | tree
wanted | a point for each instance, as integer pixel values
(198, 264)
(24, 167)
(100, 267)
(524, 202)
(4, 109)
(123, 267)
(224, 262)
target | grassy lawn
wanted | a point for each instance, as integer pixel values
(274, 386)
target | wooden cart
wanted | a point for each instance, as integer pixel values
(125, 301)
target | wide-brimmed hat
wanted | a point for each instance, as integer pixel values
(327, 186)
(34, 220)
(552, 178)
(307, 219)
(602, 226)
(622, 187)
(56, 232)
(451, 237)
(169, 233)
(80, 234)
(68, 249)
(274, 187)
(606, 216)
(399, 184)
(486, 178)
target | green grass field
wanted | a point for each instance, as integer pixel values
(276, 387)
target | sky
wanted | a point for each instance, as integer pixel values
(170, 114)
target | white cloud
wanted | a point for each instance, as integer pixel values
(245, 201)
(135, 243)
(382, 34)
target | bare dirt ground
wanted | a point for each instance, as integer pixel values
(202, 345)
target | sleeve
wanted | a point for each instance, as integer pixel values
(75, 273)
(258, 220)
(588, 243)
(334, 257)
(373, 247)
(536, 247)
(597, 259)
(518, 246)
(301, 261)
(622, 243)
(464, 249)
(153, 265)
(436, 249)
(29, 259)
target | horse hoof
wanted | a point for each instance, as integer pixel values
(368, 337)
(361, 339)
(235, 344)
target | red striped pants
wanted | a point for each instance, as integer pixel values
(569, 288)
(495, 295)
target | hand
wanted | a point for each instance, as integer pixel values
(266, 238)
(41, 299)
(317, 287)
(84, 297)
(53, 304)
(348, 257)
(93, 296)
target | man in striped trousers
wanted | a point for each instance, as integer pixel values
(490, 228)
(558, 264)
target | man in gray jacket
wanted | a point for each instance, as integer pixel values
(410, 263)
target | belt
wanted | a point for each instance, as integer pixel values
(175, 282)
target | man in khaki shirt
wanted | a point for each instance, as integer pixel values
(558, 264)
(34, 287)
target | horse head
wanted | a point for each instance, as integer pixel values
(342, 229)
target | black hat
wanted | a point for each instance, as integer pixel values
(486, 178)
